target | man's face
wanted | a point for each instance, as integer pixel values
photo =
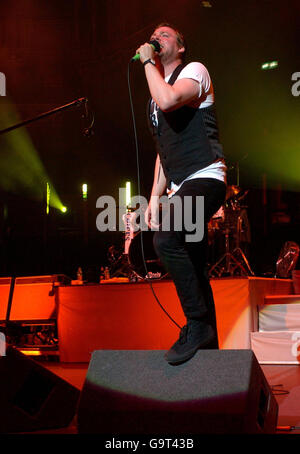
(167, 38)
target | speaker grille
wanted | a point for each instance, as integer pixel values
(217, 391)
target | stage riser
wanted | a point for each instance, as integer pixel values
(279, 317)
(276, 347)
(278, 338)
(127, 316)
(34, 298)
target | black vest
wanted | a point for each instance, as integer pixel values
(187, 139)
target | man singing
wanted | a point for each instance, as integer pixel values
(190, 165)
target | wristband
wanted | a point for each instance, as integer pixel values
(149, 61)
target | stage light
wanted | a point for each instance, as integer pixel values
(31, 352)
(128, 193)
(269, 65)
(48, 197)
(64, 209)
(206, 4)
(21, 169)
(273, 64)
(84, 191)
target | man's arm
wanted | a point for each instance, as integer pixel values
(158, 188)
(170, 97)
(167, 97)
(159, 180)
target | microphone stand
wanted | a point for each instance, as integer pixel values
(76, 103)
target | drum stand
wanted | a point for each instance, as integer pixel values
(229, 263)
(121, 268)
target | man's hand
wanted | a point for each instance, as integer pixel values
(152, 213)
(146, 51)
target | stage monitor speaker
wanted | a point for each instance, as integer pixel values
(138, 392)
(31, 397)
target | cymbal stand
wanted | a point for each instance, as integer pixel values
(229, 264)
(238, 250)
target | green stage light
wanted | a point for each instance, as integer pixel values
(269, 65)
(48, 198)
(128, 193)
(84, 191)
(21, 169)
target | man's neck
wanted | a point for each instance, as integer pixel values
(168, 67)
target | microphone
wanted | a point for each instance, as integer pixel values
(156, 46)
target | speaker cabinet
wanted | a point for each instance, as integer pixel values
(31, 397)
(138, 392)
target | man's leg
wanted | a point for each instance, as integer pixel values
(186, 264)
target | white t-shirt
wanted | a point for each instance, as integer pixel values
(198, 72)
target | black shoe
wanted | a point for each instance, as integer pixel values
(196, 334)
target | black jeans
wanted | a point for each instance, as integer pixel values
(186, 262)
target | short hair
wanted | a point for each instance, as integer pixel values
(180, 38)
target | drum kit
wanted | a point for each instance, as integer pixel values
(228, 229)
(230, 225)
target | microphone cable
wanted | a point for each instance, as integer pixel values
(139, 193)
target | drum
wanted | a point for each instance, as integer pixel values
(143, 242)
